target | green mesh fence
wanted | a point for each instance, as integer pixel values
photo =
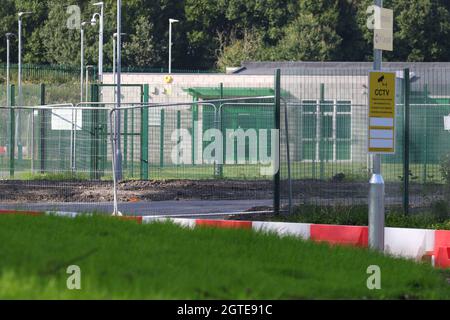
(327, 130)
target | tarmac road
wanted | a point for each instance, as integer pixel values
(157, 208)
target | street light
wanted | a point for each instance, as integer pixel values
(83, 24)
(8, 67)
(100, 37)
(170, 43)
(114, 63)
(117, 135)
(19, 84)
(87, 82)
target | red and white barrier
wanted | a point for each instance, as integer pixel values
(409, 243)
(442, 249)
(400, 242)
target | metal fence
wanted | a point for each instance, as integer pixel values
(328, 114)
(66, 163)
(214, 143)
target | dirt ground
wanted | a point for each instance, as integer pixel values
(306, 191)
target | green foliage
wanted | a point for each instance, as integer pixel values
(445, 169)
(238, 50)
(140, 51)
(218, 32)
(62, 176)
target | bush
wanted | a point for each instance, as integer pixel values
(445, 169)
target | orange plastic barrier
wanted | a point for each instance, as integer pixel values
(344, 235)
(442, 249)
(224, 224)
(137, 219)
(26, 213)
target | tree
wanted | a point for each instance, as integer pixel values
(419, 29)
(308, 40)
(312, 35)
(140, 50)
(233, 51)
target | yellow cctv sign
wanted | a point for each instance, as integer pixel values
(382, 112)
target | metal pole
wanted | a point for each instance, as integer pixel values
(19, 84)
(377, 187)
(170, 43)
(406, 142)
(87, 82)
(82, 63)
(276, 153)
(8, 66)
(118, 153)
(42, 116)
(170, 46)
(100, 54)
(114, 66)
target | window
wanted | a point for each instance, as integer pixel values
(326, 130)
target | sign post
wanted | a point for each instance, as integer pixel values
(377, 189)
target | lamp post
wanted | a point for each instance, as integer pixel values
(100, 37)
(117, 151)
(19, 85)
(87, 82)
(8, 67)
(83, 24)
(171, 21)
(114, 62)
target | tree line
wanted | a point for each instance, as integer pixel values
(213, 34)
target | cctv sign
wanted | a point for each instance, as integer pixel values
(381, 112)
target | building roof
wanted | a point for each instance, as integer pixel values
(227, 92)
(329, 68)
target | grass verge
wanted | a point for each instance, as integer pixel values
(124, 260)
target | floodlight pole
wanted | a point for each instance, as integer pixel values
(87, 82)
(377, 187)
(117, 152)
(8, 68)
(171, 21)
(100, 38)
(114, 63)
(82, 61)
(19, 84)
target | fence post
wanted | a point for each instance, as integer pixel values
(320, 131)
(125, 140)
(161, 139)
(94, 134)
(194, 126)
(277, 153)
(179, 132)
(132, 141)
(407, 88)
(42, 116)
(425, 145)
(218, 125)
(144, 134)
(12, 134)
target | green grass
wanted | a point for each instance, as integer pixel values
(436, 217)
(55, 176)
(121, 259)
